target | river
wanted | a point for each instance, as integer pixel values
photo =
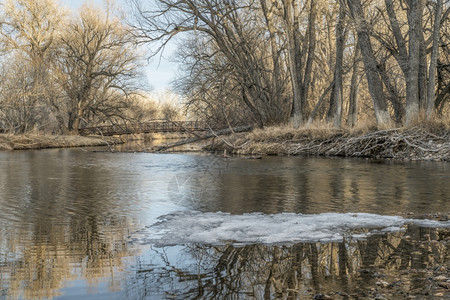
(98, 225)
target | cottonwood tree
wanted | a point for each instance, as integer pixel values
(409, 38)
(278, 60)
(431, 89)
(232, 30)
(443, 63)
(301, 48)
(374, 81)
(28, 30)
(30, 27)
(269, 10)
(338, 89)
(353, 106)
(97, 68)
(19, 95)
(209, 86)
(382, 46)
(415, 79)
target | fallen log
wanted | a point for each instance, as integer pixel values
(202, 137)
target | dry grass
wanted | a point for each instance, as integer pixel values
(425, 141)
(41, 141)
(315, 131)
(288, 133)
(364, 126)
(435, 125)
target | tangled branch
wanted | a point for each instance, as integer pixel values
(412, 143)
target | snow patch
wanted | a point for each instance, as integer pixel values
(220, 228)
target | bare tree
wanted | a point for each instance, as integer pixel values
(96, 67)
(263, 62)
(408, 42)
(233, 32)
(370, 63)
(415, 16)
(209, 85)
(352, 118)
(298, 48)
(433, 60)
(27, 37)
(30, 27)
(443, 65)
(338, 70)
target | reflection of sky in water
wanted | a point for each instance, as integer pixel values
(67, 216)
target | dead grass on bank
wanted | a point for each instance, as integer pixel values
(435, 125)
(422, 141)
(42, 141)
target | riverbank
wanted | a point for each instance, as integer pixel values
(415, 143)
(42, 141)
(423, 142)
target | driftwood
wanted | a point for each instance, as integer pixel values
(202, 137)
(412, 143)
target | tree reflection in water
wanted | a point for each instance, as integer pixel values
(395, 265)
(91, 249)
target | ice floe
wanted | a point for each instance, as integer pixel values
(221, 228)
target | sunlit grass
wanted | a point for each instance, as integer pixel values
(426, 140)
(40, 141)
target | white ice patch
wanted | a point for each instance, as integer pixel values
(220, 228)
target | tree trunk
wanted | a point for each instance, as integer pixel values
(318, 104)
(202, 137)
(370, 64)
(268, 15)
(402, 55)
(340, 46)
(354, 89)
(394, 96)
(415, 10)
(77, 120)
(433, 61)
(311, 55)
(291, 19)
(255, 112)
(332, 108)
(423, 71)
(442, 97)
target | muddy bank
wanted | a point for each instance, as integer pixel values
(31, 141)
(400, 143)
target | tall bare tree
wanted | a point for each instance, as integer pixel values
(97, 66)
(234, 32)
(413, 86)
(354, 90)
(338, 89)
(370, 63)
(300, 52)
(431, 94)
(28, 30)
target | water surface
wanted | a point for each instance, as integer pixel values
(73, 222)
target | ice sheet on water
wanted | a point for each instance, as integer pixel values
(220, 228)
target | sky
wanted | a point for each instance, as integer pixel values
(159, 72)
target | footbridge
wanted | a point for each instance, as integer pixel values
(148, 127)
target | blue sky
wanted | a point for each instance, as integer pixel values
(159, 72)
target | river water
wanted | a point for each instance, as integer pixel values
(99, 225)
